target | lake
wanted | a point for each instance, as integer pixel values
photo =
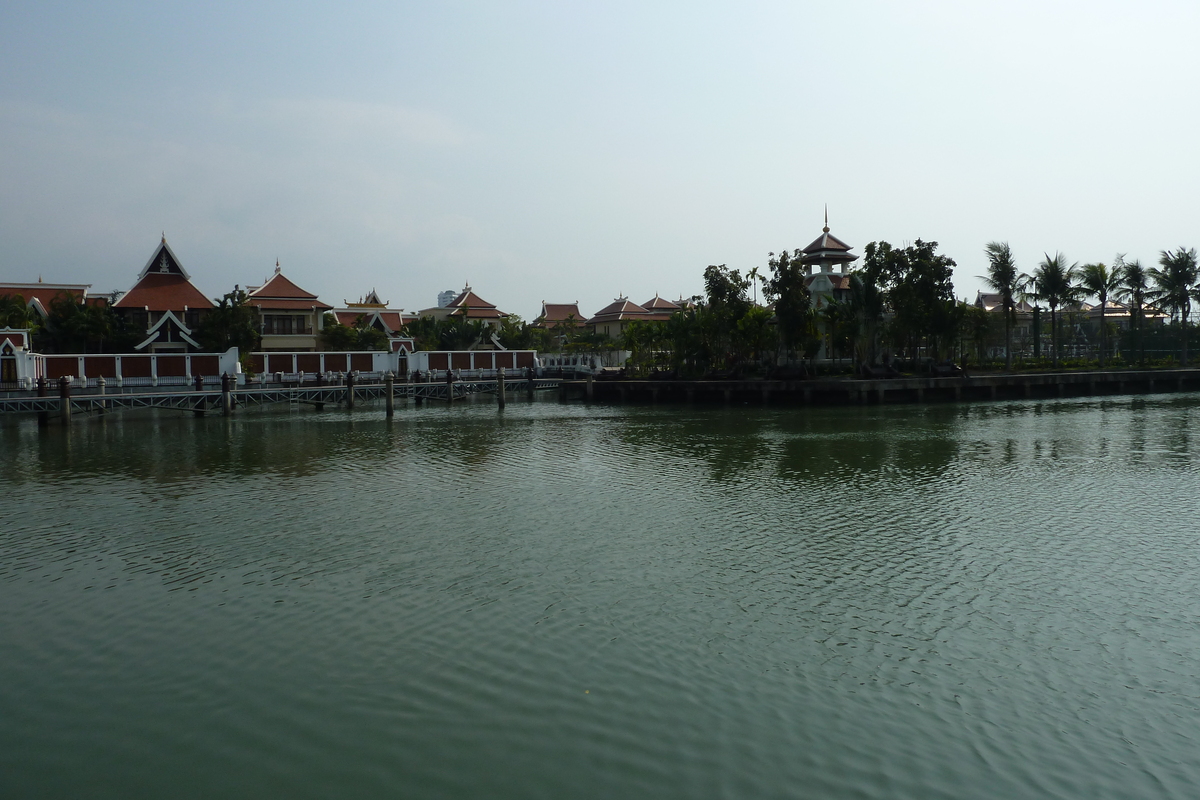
(992, 600)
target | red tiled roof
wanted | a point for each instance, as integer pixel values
(280, 287)
(393, 319)
(468, 298)
(280, 294)
(163, 291)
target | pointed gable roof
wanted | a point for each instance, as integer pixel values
(163, 285)
(470, 305)
(281, 294)
(164, 262)
(468, 299)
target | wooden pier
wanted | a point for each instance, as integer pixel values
(344, 396)
(842, 391)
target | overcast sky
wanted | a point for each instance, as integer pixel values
(566, 151)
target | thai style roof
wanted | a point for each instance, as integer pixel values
(163, 285)
(370, 301)
(38, 295)
(157, 292)
(559, 314)
(827, 248)
(472, 306)
(827, 242)
(389, 320)
(281, 294)
(618, 310)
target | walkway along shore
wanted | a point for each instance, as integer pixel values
(840, 391)
(61, 400)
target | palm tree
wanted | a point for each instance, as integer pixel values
(1174, 285)
(14, 312)
(754, 279)
(1027, 291)
(1135, 289)
(1056, 285)
(1100, 281)
(1002, 277)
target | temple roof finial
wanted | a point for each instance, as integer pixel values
(277, 266)
(826, 228)
(164, 234)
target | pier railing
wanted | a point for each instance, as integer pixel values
(346, 394)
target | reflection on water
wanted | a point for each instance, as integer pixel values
(990, 600)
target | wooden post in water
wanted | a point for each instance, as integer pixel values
(100, 385)
(449, 385)
(349, 390)
(226, 395)
(43, 417)
(198, 383)
(591, 387)
(318, 405)
(389, 383)
(500, 399)
(64, 398)
(531, 377)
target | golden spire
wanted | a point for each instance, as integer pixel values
(826, 228)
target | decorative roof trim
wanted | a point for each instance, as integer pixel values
(154, 257)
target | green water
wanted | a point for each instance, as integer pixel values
(973, 601)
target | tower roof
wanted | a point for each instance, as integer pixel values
(163, 285)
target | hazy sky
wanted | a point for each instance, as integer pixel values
(566, 151)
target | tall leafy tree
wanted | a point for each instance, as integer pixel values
(1134, 290)
(865, 304)
(232, 323)
(726, 303)
(1002, 277)
(918, 284)
(1099, 281)
(785, 288)
(1175, 281)
(1056, 285)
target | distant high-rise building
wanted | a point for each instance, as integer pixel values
(445, 298)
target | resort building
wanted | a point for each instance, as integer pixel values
(165, 304)
(290, 318)
(614, 318)
(466, 305)
(372, 312)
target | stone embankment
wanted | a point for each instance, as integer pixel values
(840, 391)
